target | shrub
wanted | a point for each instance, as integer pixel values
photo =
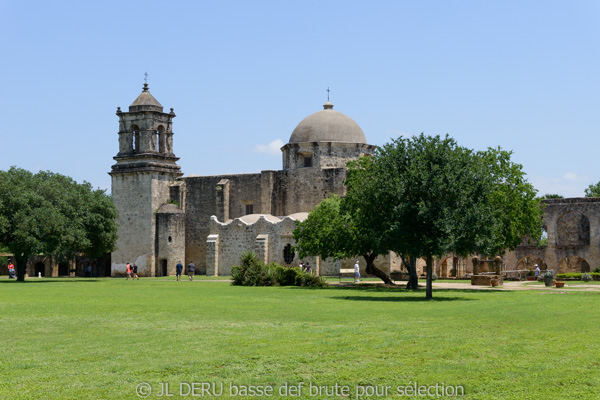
(586, 277)
(569, 275)
(434, 276)
(310, 280)
(254, 272)
(597, 270)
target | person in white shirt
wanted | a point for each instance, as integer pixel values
(356, 272)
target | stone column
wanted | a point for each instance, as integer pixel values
(498, 264)
(222, 211)
(475, 265)
(212, 255)
(261, 248)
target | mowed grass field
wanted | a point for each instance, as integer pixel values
(101, 338)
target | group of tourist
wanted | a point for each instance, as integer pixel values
(133, 269)
(191, 268)
(305, 267)
(132, 272)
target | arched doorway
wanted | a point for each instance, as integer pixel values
(63, 269)
(449, 267)
(528, 263)
(573, 264)
(40, 268)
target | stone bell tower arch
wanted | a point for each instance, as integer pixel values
(142, 181)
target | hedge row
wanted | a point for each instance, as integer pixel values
(578, 275)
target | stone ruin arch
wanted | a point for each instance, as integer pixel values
(451, 267)
(573, 229)
(528, 263)
(573, 264)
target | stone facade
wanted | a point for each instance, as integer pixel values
(573, 230)
(142, 181)
(165, 218)
(572, 227)
(211, 220)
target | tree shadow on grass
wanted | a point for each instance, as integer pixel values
(401, 299)
(52, 280)
(402, 289)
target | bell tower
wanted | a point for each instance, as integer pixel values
(142, 179)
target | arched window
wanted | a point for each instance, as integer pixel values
(161, 145)
(573, 229)
(135, 139)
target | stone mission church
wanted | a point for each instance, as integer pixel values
(165, 217)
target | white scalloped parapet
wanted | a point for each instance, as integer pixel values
(252, 219)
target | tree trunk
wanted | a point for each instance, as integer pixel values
(373, 270)
(429, 288)
(410, 263)
(21, 267)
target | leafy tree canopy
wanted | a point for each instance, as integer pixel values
(426, 196)
(51, 214)
(593, 190)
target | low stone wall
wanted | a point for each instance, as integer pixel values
(485, 280)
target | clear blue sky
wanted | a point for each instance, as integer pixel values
(523, 75)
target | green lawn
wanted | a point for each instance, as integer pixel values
(100, 338)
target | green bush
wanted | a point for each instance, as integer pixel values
(253, 272)
(597, 270)
(308, 279)
(586, 277)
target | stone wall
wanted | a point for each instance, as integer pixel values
(137, 197)
(301, 190)
(323, 154)
(203, 200)
(268, 237)
(170, 239)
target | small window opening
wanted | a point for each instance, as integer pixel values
(249, 209)
(288, 254)
(170, 239)
(307, 161)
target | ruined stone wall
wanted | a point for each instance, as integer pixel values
(573, 228)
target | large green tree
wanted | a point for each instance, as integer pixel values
(51, 214)
(331, 230)
(436, 197)
(593, 190)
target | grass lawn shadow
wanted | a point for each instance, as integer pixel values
(45, 280)
(401, 299)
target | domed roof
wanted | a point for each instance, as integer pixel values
(145, 102)
(328, 125)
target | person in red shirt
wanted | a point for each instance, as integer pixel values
(128, 271)
(11, 270)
